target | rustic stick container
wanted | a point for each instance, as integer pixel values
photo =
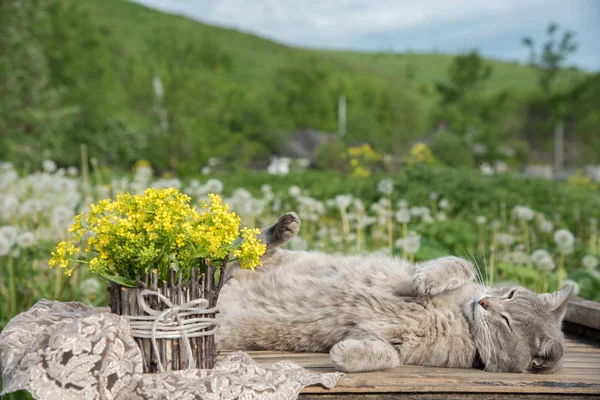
(171, 352)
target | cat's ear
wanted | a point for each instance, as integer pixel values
(549, 354)
(557, 301)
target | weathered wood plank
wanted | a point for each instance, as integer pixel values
(583, 312)
(580, 376)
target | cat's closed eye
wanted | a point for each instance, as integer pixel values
(507, 321)
(510, 295)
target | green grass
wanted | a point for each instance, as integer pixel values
(255, 59)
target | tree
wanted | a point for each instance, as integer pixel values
(32, 110)
(548, 62)
(550, 59)
(305, 94)
(461, 97)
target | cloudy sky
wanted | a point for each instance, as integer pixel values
(494, 27)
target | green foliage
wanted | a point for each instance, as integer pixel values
(31, 110)
(82, 71)
(305, 93)
(552, 55)
(451, 150)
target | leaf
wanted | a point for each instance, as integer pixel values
(120, 280)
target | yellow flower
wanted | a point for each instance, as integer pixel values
(135, 234)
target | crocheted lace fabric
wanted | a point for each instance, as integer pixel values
(67, 351)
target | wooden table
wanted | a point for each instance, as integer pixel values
(579, 378)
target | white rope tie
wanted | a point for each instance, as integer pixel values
(172, 323)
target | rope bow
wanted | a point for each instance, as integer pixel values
(172, 323)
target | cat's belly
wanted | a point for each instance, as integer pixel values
(309, 306)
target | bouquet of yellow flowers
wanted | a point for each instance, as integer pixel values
(159, 230)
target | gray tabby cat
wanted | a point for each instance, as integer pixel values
(373, 312)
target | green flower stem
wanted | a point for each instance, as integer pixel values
(492, 267)
(58, 284)
(2, 294)
(359, 238)
(345, 223)
(390, 224)
(481, 234)
(12, 289)
(561, 265)
(525, 227)
(404, 235)
(593, 236)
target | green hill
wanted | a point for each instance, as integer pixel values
(227, 93)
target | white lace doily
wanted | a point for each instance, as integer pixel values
(66, 351)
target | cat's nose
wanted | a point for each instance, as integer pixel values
(484, 303)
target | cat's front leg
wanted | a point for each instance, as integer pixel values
(357, 355)
(442, 275)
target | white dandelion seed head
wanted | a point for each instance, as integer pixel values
(441, 216)
(481, 220)
(302, 162)
(62, 218)
(343, 201)
(386, 186)
(433, 196)
(418, 211)
(523, 213)
(486, 169)
(49, 166)
(479, 149)
(546, 226)
(427, 218)
(496, 224)
(564, 239)
(402, 203)
(9, 233)
(72, 171)
(206, 170)
(538, 255)
(358, 205)
(590, 262)
(403, 216)
(213, 186)
(266, 188)
(546, 263)
(294, 191)
(26, 240)
(444, 204)
(412, 243)
(501, 167)
(4, 247)
(505, 239)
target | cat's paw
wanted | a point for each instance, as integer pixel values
(284, 229)
(288, 225)
(353, 355)
(442, 275)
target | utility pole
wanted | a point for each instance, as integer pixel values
(559, 148)
(342, 115)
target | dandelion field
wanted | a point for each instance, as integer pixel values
(537, 233)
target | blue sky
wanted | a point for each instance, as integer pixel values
(494, 27)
